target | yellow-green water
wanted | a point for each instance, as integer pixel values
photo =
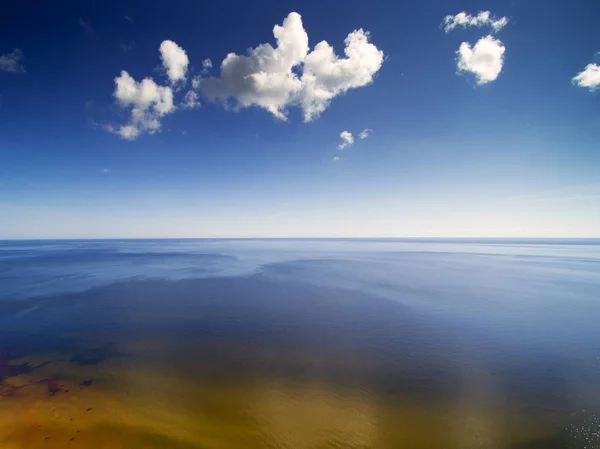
(155, 397)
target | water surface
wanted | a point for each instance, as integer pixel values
(300, 344)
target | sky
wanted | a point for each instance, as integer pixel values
(446, 118)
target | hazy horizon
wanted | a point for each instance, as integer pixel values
(411, 238)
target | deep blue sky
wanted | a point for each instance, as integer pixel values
(519, 156)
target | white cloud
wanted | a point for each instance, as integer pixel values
(336, 158)
(174, 59)
(365, 133)
(347, 140)
(484, 18)
(128, 132)
(484, 60)
(12, 62)
(499, 24)
(206, 67)
(106, 170)
(190, 100)
(147, 102)
(589, 77)
(270, 77)
(264, 77)
(327, 76)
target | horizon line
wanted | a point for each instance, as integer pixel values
(12, 239)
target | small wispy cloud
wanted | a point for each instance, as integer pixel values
(191, 100)
(365, 133)
(347, 140)
(336, 158)
(206, 65)
(126, 48)
(129, 19)
(106, 170)
(87, 27)
(12, 62)
(483, 18)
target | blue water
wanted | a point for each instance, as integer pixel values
(524, 287)
(502, 327)
(468, 276)
(502, 269)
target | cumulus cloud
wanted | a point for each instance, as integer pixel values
(174, 60)
(336, 158)
(589, 77)
(12, 62)
(484, 18)
(264, 77)
(484, 59)
(365, 133)
(191, 100)
(347, 140)
(273, 78)
(327, 76)
(147, 103)
(276, 78)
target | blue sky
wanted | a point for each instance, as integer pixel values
(489, 129)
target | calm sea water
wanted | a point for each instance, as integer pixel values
(196, 344)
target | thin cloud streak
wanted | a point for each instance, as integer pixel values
(87, 27)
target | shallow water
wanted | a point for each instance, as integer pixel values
(300, 344)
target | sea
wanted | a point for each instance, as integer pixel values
(300, 344)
